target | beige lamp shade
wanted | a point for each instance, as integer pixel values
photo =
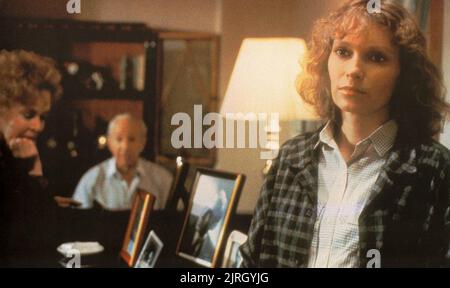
(263, 79)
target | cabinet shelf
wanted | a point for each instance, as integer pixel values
(128, 94)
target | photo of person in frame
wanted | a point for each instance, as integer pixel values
(205, 225)
(209, 227)
(150, 252)
(137, 223)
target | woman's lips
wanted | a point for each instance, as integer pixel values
(347, 90)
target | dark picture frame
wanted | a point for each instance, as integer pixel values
(142, 206)
(177, 190)
(214, 197)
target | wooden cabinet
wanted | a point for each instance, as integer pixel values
(111, 68)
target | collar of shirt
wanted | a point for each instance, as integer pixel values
(111, 169)
(382, 138)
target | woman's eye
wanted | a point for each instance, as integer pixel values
(342, 52)
(377, 57)
(30, 114)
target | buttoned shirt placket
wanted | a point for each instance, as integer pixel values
(330, 211)
(127, 189)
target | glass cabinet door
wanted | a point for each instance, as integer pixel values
(188, 67)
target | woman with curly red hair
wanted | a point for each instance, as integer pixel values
(371, 187)
(29, 83)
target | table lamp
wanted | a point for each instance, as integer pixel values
(263, 81)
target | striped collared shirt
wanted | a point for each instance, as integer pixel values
(343, 191)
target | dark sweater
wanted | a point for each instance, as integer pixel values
(27, 215)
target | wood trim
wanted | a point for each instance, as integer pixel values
(436, 31)
(186, 35)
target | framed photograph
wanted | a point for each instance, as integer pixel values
(232, 256)
(214, 196)
(150, 251)
(137, 223)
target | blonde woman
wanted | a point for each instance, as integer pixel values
(28, 85)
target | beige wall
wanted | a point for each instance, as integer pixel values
(196, 15)
(259, 18)
(446, 47)
(445, 138)
(38, 8)
(264, 18)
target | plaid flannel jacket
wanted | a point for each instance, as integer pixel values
(406, 218)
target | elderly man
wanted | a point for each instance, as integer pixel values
(113, 183)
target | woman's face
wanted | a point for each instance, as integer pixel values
(363, 70)
(21, 121)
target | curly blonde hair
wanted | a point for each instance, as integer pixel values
(23, 75)
(418, 101)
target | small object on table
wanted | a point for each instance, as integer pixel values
(80, 254)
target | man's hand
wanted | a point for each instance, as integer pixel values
(65, 202)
